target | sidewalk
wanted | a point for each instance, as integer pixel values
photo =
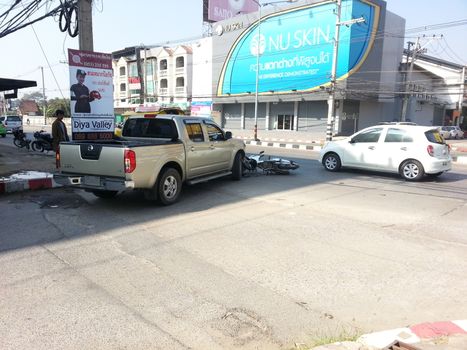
(22, 170)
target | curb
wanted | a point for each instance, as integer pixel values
(414, 334)
(30, 180)
(429, 334)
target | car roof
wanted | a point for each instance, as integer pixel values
(403, 126)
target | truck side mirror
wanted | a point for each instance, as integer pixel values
(228, 135)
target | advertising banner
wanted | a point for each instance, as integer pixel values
(218, 10)
(91, 95)
(201, 108)
(295, 49)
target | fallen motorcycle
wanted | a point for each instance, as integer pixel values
(20, 139)
(268, 165)
(42, 142)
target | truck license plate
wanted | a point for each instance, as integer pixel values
(92, 180)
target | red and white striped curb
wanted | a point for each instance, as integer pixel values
(414, 334)
(30, 180)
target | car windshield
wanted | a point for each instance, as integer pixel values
(434, 136)
(13, 118)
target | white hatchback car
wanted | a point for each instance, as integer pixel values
(411, 151)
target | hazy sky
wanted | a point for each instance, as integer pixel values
(122, 23)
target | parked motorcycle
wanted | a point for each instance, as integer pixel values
(20, 139)
(268, 165)
(43, 141)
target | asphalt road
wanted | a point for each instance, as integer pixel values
(267, 262)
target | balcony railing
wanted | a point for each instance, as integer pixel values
(163, 73)
(180, 90)
(163, 91)
(180, 70)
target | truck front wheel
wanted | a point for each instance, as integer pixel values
(169, 186)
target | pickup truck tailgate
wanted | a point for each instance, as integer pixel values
(92, 159)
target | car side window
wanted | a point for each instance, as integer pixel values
(371, 135)
(397, 135)
(215, 134)
(195, 132)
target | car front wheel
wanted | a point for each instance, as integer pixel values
(332, 162)
(412, 170)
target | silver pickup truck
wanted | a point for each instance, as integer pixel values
(156, 154)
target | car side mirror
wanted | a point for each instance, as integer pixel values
(228, 135)
(351, 141)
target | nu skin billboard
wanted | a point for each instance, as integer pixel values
(295, 49)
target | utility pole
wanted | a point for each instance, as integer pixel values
(461, 96)
(408, 80)
(85, 25)
(44, 107)
(332, 89)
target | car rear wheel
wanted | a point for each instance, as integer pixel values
(412, 170)
(169, 186)
(332, 162)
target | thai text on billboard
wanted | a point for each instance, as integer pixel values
(91, 95)
(292, 50)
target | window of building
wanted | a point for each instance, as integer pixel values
(149, 68)
(180, 82)
(371, 135)
(180, 62)
(195, 132)
(398, 135)
(135, 92)
(163, 65)
(284, 122)
(164, 84)
(133, 69)
(122, 70)
(123, 87)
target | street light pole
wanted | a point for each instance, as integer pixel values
(258, 53)
(257, 74)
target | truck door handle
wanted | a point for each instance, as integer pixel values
(192, 149)
(371, 147)
(404, 148)
(211, 147)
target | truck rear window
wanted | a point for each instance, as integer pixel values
(151, 128)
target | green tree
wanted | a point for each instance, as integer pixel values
(58, 103)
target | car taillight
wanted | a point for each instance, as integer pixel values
(430, 150)
(130, 161)
(57, 158)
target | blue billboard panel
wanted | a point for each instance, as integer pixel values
(295, 48)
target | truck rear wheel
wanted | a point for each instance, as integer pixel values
(169, 186)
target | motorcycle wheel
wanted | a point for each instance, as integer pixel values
(37, 146)
(18, 143)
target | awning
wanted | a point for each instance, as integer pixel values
(14, 85)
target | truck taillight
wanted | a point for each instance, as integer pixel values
(430, 150)
(130, 161)
(57, 158)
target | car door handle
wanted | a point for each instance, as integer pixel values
(212, 147)
(404, 148)
(371, 147)
(192, 149)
